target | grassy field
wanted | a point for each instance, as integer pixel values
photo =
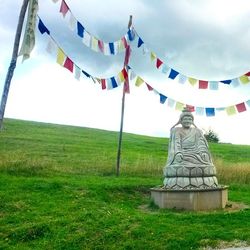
(58, 190)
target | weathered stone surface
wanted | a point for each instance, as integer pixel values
(189, 163)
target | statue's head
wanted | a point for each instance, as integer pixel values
(186, 118)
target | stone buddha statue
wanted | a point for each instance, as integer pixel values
(189, 164)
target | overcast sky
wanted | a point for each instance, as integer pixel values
(205, 39)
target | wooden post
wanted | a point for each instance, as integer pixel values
(123, 107)
(13, 61)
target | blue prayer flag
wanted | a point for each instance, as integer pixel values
(140, 42)
(80, 29)
(210, 112)
(226, 81)
(173, 74)
(163, 98)
(131, 35)
(114, 83)
(85, 73)
(42, 28)
(112, 48)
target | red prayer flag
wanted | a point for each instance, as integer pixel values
(69, 64)
(64, 8)
(125, 42)
(203, 84)
(149, 87)
(103, 82)
(190, 108)
(158, 63)
(247, 74)
(241, 107)
(101, 45)
(125, 73)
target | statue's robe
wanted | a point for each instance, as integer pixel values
(189, 163)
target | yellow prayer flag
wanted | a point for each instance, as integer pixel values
(139, 81)
(192, 81)
(179, 106)
(60, 56)
(94, 44)
(231, 110)
(121, 46)
(121, 77)
(244, 79)
(29, 34)
(152, 56)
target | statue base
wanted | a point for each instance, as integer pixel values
(190, 199)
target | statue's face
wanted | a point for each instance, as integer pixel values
(186, 121)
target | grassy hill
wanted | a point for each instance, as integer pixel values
(58, 190)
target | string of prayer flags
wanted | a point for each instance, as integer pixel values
(106, 48)
(177, 105)
(174, 74)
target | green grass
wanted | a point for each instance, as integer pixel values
(58, 190)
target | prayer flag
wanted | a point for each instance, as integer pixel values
(171, 102)
(29, 34)
(158, 63)
(173, 74)
(85, 73)
(64, 8)
(114, 83)
(163, 98)
(241, 107)
(72, 22)
(132, 75)
(139, 81)
(235, 82)
(149, 87)
(199, 111)
(68, 64)
(152, 56)
(231, 110)
(192, 81)
(60, 56)
(248, 73)
(94, 44)
(80, 30)
(190, 108)
(86, 38)
(226, 81)
(131, 34)
(248, 103)
(203, 84)
(101, 45)
(213, 85)
(244, 79)
(182, 79)
(179, 106)
(125, 73)
(51, 46)
(127, 55)
(103, 82)
(210, 112)
(42, 28)
(124, 42)
(121, 77)
(77, 72)
(164, 69)
(140, 42)
(112, 49)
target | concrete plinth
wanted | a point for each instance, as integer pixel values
(191, 199)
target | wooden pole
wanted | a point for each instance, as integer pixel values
(13, 61)
(123, 108)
